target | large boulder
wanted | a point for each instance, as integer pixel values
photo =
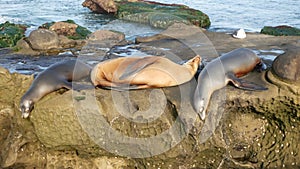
(161, 15)
(43, 39)
(287, 66)
(67, 28)
(53, 38)
(156, 14)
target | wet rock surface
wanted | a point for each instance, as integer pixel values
(99, 128)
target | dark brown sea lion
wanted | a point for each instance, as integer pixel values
(222, 70)
(57, 76)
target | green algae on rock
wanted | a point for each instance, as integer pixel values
(68, 28)
(282, 30)
(10, 33)
(161, 15)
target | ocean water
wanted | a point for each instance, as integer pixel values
(225, 15)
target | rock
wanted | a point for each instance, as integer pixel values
(23, 47)
(101, 35)
(67, 28)
(101, 6)
(281, 30)
(64, 28)
(99, 44)
(287, 66)
(10, 33)
(43, 39)
(53, 38)
(161, 15)
(156, 14)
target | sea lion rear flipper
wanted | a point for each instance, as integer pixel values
(242, 84)
(126, 88)
(137, 66)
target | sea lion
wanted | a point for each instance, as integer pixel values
(220, 71)
(143, 72)
(57, 76)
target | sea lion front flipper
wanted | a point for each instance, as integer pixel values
(66, 84)
(242, 84)
(81, 86)
(137, 66)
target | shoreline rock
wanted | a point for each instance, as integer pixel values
(10, 33)
(53, 38)
(282, 30)
(155, 14)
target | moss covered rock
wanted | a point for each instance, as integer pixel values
(161, 15)
(10, 33)
(281, 31)
(68, 28)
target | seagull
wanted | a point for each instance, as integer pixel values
(239, 34)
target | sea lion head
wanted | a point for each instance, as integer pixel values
(26, 107)
(199, 107)
(193, 63)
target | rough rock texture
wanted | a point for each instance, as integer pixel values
(99, 44)
(153, 13)
(102, 35)
(102, 128)
(67, 28)
(47, 42)
(282, 30)
(161, 15)
(10, 34)
(101, 6)
(64, 28)
(20, 148)
(287, 65)
(43, 39)
(53, 38)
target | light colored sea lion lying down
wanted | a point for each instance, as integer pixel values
(140, 73)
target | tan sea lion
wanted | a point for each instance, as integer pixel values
(57, 76)
(141, 73)
(222, 70)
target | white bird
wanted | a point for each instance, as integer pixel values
(239, 34)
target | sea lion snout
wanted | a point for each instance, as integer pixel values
(26, 107)
(261, 66)
(201, 109)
